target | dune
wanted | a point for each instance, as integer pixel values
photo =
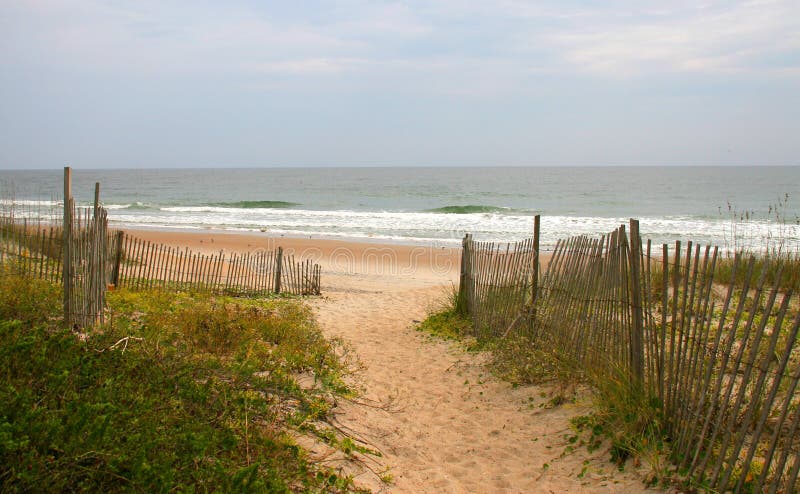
(441, 422)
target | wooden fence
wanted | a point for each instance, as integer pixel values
(719, 358)
(123, 260)
(74, 251)
(31, 249)
(497, 282)
(86, 263)
(80, 253)
(144, 264)
(585, 304)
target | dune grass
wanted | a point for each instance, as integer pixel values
(448, 320)
(183, 392)
(628, 424)
(778, 248)
(787, 263)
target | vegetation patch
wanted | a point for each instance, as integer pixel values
(448, 321)
(447, 324)
(28, 300)
(784, 268)
(778, 250)
(626, 423)
(629, 422)
(176, 391)
(520, 360)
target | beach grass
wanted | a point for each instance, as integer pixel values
(175, 391)
(778, 250)
(786, 263)
(624, 421)
(448, 320)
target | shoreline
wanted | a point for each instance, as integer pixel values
(752, 235)
(756, 235)
(408, 242)
(345, 264)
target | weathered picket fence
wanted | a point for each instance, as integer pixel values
(32, 249)
(73, 251)
(497, 282)
(78, 251)
(86, 264)
(719, 358)
(144, 264)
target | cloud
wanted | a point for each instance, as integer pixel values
(470, 44)
(386, 20)
(312, 66)
(707, 39)
(157, 37)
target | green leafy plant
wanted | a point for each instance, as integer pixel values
(175, 392)
(446, 320)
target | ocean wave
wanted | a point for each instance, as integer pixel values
(136, 206)
(29, 202)
(141, 206)
(438, 227)
(242, 207)
(471, 209)
(199, 209)
(257, 204)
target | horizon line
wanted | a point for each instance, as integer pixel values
(313, 166)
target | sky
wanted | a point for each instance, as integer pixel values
(122, 84)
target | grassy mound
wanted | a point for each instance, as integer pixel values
(175, 391)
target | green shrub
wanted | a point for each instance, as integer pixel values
(446, 323)
(174, 392)
(520, 360)
(29, 300)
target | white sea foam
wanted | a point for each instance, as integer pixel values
(29, 203)
(439, 205)
(426, 227)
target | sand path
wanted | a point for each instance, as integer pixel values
(440, 420)
(443, 423)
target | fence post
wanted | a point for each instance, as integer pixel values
(468, 274)
(96, 197)
(117, 258)
(637, 331)
(278, 269)
(96, 254)
(67, 246)
(535, 279)
(462, 279)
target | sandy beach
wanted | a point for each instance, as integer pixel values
(346, 265)
(342, 153)
(440, 420)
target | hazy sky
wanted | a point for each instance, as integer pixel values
(454, 82)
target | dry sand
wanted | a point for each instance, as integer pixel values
(441, 422)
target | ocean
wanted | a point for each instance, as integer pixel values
(436, 206)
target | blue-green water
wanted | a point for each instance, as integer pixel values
(438, 205)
